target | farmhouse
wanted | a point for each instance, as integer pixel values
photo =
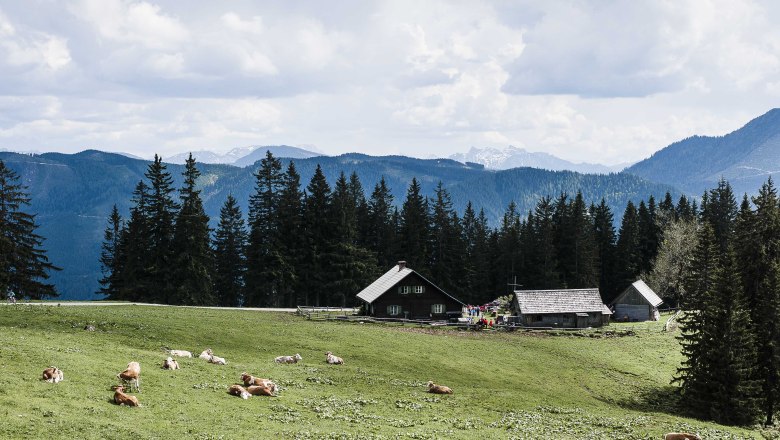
(403, 293)
(637, 303)
(569, 308)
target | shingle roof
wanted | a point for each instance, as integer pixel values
(390, 279)
(383, 283)
(606, 310)
(647, 293)
(558, 301)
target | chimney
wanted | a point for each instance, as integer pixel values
(401, 265)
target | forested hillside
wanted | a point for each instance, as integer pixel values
(745, 157)
(73, 194)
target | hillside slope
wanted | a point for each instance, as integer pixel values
(745, 157)
(72, 194)
(506, 385)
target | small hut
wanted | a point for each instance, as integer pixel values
(568, 308)
(637, 303)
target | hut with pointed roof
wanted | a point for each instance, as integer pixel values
(566, 308)
(637, 303)
(405, 294)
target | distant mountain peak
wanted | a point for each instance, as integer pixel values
(516, 157)
(243, 156)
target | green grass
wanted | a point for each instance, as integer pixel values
(507, 385)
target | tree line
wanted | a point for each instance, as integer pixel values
(724, 267)
(320, 245)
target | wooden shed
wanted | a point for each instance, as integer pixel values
(567, 308)
(403, 293)
(637, 303)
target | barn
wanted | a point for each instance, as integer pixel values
(405, 294)
(637, 303)
(567, 308)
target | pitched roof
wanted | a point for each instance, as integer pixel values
(558, 301)
(390, 279)
(606, 310)
(647, 293)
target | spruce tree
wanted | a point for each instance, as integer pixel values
(381, 231)
(230, 241)
(627, 251)
(290, 240)
(24, 266)
(543, 268)
(319, 239)
(194, 265)
(604, 235)
(509, 250)
(135, 248)
(160, 213)
(415, 230)
(447, 247)
(348, 267)
(263, 208)
(111, 258)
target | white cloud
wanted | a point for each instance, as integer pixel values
(586, 80)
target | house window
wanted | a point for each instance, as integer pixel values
(404, 289)
(437, 308)
(393, 310)
(419, 289)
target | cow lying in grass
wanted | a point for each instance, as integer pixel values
(331, 359)
(238, 390)
(52, 375)
(681, 436)
(259, 390)
(438, 389)
(170, 364)
(206, 354)
(132, 375)
(248, 380)
(122, 399)
(217, 360)
(180, 353)
(288, 359)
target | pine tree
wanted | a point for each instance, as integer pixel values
(649, 234)
(604, 233)
(24, 266)
(230, 242)
(135, 247)
(509, 250)
(720, 210)
(348, 267)
(319, 239)
(759, 249)
(381, 231)
(543, 268)
(415, 231)
(263, 208)
(111, 258)
(160, 215)
(447, 248)
(627, 251)
(290, 240)
(579, 263)
(194, 265)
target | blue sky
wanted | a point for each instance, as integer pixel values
(597, 81)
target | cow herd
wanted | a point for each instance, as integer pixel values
(252, 386)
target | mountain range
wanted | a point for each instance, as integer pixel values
(745, 157)
(242, 156)
(514, 157)
(72, 194)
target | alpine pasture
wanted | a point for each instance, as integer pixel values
(585, 385)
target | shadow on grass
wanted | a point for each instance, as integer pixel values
(664, 399)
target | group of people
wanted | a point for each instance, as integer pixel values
(11, 296)
(476, 316)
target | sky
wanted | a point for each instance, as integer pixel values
(596, 81)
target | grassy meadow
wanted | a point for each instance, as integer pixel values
(507, 385)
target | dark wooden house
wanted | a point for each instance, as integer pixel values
(637, 303)
(403, 293)
(567, 308)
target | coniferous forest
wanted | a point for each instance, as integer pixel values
(307, 243)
